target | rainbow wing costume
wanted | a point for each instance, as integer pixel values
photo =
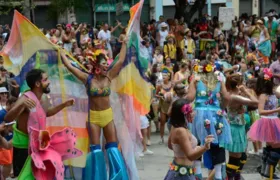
(27, 49)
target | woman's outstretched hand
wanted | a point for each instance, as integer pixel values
(125, 40)
(208, 140)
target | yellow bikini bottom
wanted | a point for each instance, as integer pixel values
(101, 118)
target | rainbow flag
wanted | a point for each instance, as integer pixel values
(27, 49)
(132, 79)
(132, 90)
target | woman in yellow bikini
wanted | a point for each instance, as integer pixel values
(183, 74)
(101, 117)
(254, 32)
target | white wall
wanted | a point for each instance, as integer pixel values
(168, 3)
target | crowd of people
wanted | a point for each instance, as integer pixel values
(214, 89)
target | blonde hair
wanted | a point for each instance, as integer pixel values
(210, 78)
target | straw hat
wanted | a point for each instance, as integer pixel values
(260, 22)
(170, 36)
(186, 30)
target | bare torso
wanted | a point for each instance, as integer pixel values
(22, 121)
(181, 160)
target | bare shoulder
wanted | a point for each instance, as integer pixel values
(20, 101)
(181, 133)
(263, 97)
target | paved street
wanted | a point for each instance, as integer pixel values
(155, 166)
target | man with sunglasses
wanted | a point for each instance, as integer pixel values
(6, 81)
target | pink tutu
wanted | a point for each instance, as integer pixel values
(267, 129)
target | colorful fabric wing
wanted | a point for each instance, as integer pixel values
(132, 91)
(27, 49)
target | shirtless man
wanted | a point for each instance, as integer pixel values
(23, 110)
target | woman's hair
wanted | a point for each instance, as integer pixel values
(251, 64)
(179, 89)
(238, 58)
(11, 100)
(219, 37)
(210, 77)
(177, 116)
(154, 68)
(254, 20)
(264, 86)
(252, 83)
(233, 81)
(243, 37)
(204, 62)
(183, 65)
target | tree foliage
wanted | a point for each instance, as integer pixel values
(7, 5)
(183, 9)
(58, 7)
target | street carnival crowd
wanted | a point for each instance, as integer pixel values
(214, 90)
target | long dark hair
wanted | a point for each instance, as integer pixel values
(252, 84)
(264, 86)
(177, 116)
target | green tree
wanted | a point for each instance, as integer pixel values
(58, 7)
(7, 5)
(184, 9)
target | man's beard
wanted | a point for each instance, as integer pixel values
(46, 90)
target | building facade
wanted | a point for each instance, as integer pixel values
(258, 7)
(94, 12)
(97, 11)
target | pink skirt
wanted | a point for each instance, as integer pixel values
(267, 129)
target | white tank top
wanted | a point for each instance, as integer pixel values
(262, 37)
(178, 152)
(162, 35)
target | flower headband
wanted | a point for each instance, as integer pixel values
(267, 74)
(98, 52)
(186, 109)
(206, 68)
